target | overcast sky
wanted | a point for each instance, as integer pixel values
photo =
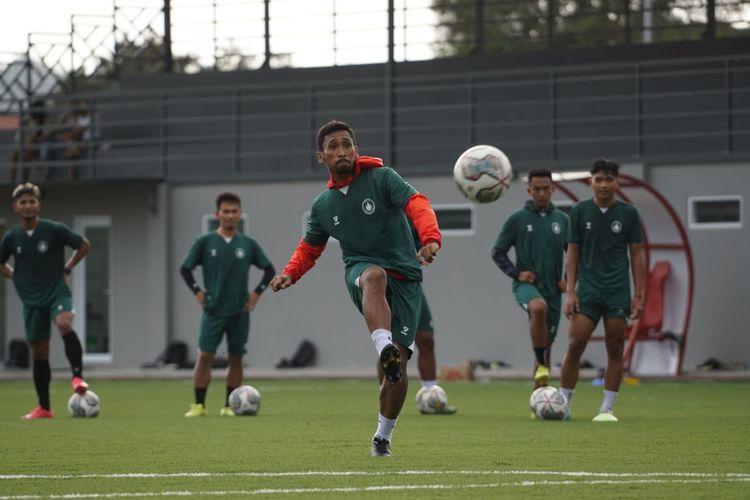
(307, 24)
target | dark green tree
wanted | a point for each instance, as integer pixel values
(515, 25)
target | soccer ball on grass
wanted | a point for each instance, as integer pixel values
(84, 405)
(548, 403)
(245, 400)
(431, 399)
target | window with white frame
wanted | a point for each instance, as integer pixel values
(715, 212)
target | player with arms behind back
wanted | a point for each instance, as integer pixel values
(603, 230)
(537, 232)
(38, 249)
(225, 256)
(365, 207)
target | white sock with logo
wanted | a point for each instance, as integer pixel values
(385, 427)
(380, 339)
(429, 383)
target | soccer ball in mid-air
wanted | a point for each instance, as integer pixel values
(431, 400)
(245, 400)
(548, 403)
(84, 405)
(482, 173)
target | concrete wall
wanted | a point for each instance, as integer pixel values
(718, 326)
(138, 270)
(475, 314)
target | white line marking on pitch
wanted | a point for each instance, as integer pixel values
(290, 491)
(155, 475)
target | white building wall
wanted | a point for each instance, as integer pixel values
(138, 269)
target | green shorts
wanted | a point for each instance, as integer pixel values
(597, 304)
(403, 296)
(526, 292)
(37, 319)
(425, 318)
(213, 327)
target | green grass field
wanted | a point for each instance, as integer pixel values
(311, 439)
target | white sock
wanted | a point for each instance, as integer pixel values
(609, 400)
(568, 393)
(429, 383)
(385, 427)
(380, 339)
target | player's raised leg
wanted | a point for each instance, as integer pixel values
(539, 340)
(73, 348)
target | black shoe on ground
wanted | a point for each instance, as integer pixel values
(390, 360)
(380, 447)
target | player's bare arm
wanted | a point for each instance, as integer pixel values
(636, 268)
(280, 282)
(572, 305)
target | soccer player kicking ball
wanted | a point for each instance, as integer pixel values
(363, 207)
(39, 270)
(538, 232)
(225, 256)
(602, 231)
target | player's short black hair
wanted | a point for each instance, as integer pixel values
(227, 198)
(606, 166)
(333, 126)
(539, 172)
(26, 188)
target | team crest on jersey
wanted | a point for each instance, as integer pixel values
(616, 227)
(556, 228)
(368, 206)
(239, 253)
(42, 246)
(529, 228)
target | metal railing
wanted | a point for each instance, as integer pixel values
(670, 110)
(146, 36)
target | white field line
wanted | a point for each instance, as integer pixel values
(155, 475)
(365, 489)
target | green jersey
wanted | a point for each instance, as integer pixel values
(367, 217)
(604, 238)
(226, 266)
(39, 260)
(539, 239)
